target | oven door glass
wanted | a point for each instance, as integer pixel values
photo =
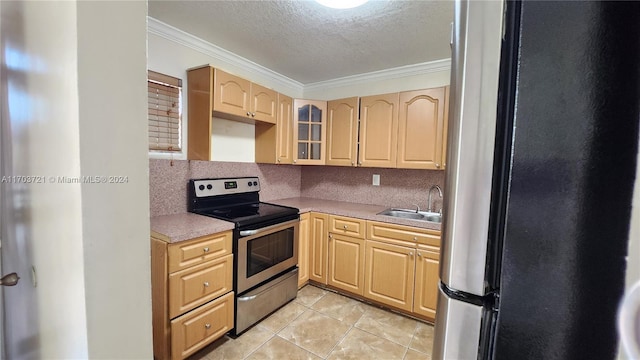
(265, 253)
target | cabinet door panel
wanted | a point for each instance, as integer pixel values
(342, 132)
(231, 94)
(378, 130)
(310, 132)
(427, 278)
(346, 263)
(285, 130)
(303, 250)
(420, 129)
(264, 104)
(389, 274)
(318, 249)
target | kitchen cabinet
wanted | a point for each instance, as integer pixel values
(303, 250)
(342, 132)
(310, 131)
(274, 143)
(378, 131)
(235, 96)
(346, 254)
(192, 297)
(426, 282)
(389, 274)
(213, 92)
(318, 247)
(421, 128)
(445, 128)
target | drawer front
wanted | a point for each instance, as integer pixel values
(193, 331)
(347, 226)
(198, 251)
(197, 285)
(402, 235)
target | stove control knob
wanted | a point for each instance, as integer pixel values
(255, 183)
(249, 183)
(209, 187)
(201, 187)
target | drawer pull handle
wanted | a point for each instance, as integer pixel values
(206, 284)
(207, 326)
(206, 249)
(345, 227)
(415, 238)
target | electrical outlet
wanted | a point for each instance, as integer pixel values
(376, 180)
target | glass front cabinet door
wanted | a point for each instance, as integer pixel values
(309, 135)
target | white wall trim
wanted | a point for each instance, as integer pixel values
(176, 35)
(381, 75)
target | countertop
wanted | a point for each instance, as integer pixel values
(184, 226)
(179, 227)
(343, 208)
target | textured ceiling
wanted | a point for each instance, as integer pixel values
(308, 42)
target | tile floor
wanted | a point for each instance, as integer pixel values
(320, 324)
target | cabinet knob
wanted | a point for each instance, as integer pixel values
(345, 227)
(411, 253)
(353, 163)
(415, 238)
(253, 114)
(295, 161)
(205, 249)
(279, 160)
(419, 255)
(359, 163)
(437, 166)
(206, 284)
(330, 237)
(207, 326)
(248, 113)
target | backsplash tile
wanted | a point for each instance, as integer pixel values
(398, 187)
(168, 184)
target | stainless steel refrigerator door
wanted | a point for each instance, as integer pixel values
(458, 330)
(474, 93)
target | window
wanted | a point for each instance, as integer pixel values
(165, 112)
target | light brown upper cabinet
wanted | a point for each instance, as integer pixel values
(236, 96)
(421, 128)
(274, 143)
(309, 131)
(446, 127)
(342, 132)
(378, 131)
(213, 92)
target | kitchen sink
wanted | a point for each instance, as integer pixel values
(412, 214)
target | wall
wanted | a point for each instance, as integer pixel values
(113, 142)
(398, 187)
(168, 180)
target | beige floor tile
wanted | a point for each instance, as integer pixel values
(242, 346)
(309, 294)
(416, 355)
(423, 338)
(340, 307)
(278, 348)
(388, 325)
(285, 315)
(359, 344)
(315, 332)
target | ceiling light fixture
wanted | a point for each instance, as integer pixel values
(341, 4)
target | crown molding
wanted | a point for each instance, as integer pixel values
(164, 30)
(176, 35)
(381, 75)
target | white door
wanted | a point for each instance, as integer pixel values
(41, 218)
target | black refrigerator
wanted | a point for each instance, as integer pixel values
(543, 143)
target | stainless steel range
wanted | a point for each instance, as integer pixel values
(265, 244)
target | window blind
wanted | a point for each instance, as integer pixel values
(165, 95)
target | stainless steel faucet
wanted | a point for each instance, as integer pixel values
(439, 192)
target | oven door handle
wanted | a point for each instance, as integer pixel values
(268, 228)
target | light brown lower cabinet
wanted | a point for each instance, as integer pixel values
(389, 274)
(425, 297)
(303, 250)
(346, 263)
(192, 297)
(318, 247)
